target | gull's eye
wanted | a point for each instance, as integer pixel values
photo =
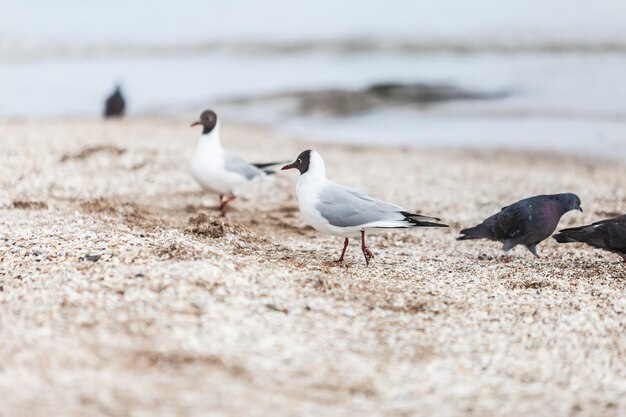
(299, 161)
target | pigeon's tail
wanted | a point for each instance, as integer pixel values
(477, 232)
(417, 220)
(572, 235)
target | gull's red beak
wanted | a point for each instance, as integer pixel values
(286, 167)
(196, 123)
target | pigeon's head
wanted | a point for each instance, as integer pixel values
(569, 201)
(308, 161)
(208, 120)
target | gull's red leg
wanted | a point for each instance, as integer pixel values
(366, 252)
(343, 252)
(224, 203)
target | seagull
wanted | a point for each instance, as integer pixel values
(527, 222)
(219, 171)
(115, 104)
(338, 210)
(609, 235)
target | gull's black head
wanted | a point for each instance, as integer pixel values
(301, 163)
(208, 120)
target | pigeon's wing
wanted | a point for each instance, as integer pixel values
(345, 207)
(513, 222)
(607, 234)
(616, 231)
(234, 163)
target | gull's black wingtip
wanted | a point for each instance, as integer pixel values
(427, 224)
(421, 220)
(269, 164)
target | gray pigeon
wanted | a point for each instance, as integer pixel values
(527, 222)
(607, 234)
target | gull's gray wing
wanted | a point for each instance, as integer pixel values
(235, 164)
(346, 207)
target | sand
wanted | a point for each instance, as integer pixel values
(122, 293)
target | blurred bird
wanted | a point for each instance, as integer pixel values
(338, 210)
(115, 104)
(609, 235)
(219, 171)
(527, 222)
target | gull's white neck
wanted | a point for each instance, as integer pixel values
(211, 140)
(315, 176)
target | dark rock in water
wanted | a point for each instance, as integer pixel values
(339, 102)
(428, 93)
(115, 104)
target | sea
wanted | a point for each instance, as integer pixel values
(563, 62)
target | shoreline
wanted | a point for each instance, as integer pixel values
(185, 313)
(307, 140)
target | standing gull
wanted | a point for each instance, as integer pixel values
(609, 235)
(218, 171)
(337, 210)
(527, 222)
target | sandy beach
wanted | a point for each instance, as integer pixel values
(123, 294)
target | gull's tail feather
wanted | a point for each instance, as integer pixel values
(419, 220)
(267, 165)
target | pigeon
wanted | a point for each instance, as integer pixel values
(527, 222)
(609, 235)
(115, 104)
(219, 171)
(338, 210)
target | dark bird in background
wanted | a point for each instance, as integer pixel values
(115, 104)
(609, 235)
(527, 222)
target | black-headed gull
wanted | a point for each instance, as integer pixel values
(338, 210)
(220, 171)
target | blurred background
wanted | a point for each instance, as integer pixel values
(524, 74)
